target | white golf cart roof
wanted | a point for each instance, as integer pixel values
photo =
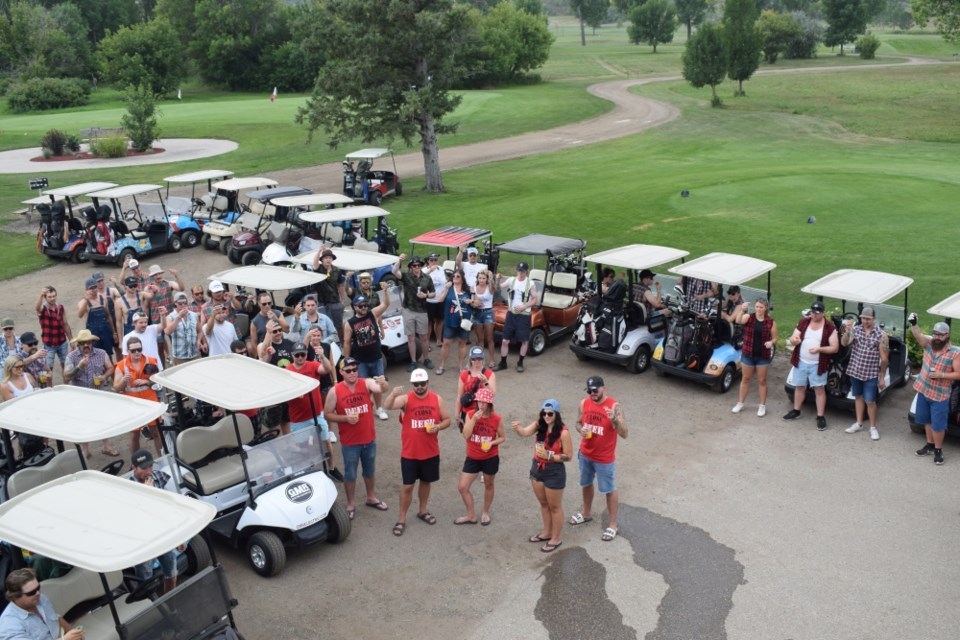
(855, 285)
(101, 522)
(199, 176)
(538, 244)
(637, 256)
(328, 216)
(268, 278)
(245, 383)
(313, 200)
(75, 190)
(725, 268)
(38, 200)
(126, 191)
(949, 308)
(239, 184)
(348, 259)
(368, 154)
(75, 414)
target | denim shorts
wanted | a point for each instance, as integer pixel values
(308, 424)
(365, 454)
(53, 352)
(747, 361)
(370, 369)
(932, 413)
(866, 388)
(604, 474)
(455, 333)
(483, 316)
(805, 375)
(168, 564)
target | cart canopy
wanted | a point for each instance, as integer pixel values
(855, 285)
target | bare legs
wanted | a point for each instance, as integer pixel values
(464, 486)
(551, 510)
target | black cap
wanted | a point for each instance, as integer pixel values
(28, 338)
(415, 260)
(348, 361)
(817, 306)
(298, 347)
(142, 459)
(433, 256)
(131, 281)
(646, 273)
(594, 382)
(361, 299)
(523, 266)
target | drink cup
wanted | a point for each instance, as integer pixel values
(588, 434)
(540, 450)
(429, 428)
(44, 377)
(97, 381)
(485, 445)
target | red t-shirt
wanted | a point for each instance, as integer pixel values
(602, 447)
(483, 429)
(358, 402)
(415, 442)
(300, 407)
(472, 384)
(556, 447)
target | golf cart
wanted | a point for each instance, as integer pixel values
(62, 233)
(705, 348)
(453, 237)
(135, 233)
(101, 525)
(949, 310)
(613, 331)
(365, 185)
(189, 215)
(218, 233)
(856, 289)
(248, 245)
(268, 493)
(559, 286)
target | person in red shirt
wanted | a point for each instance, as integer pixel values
(422, 416)
(601, 421)
(349, 405)
(309, 407)
(483, 431)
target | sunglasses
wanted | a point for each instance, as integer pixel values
(816, 311)
(264, 304)
(180, 302)
(31, 593)
(593, 390)
(456, 275)
(548, 414)
(198, 294)
(300, 355)
(350, 370)
(17, 366)
(276, 331)
(419, 384)
(942, 335)
(134, 350)
(362, 306)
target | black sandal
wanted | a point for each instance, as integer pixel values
(398, 529)
(427, 517)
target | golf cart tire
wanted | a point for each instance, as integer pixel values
(339, 524)
(250, 258)
(190, 238)
(173, 243)
(209, 243)
(266, 554)
(233, 257)
(78, 255)
(225, 245)
(126, 254)
(726, 379)
(398, 190)
(905, 378)
(375, 198)
(917, 428)
(538, 341)
(198, 555)
(640, 361)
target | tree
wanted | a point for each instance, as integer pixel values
(146, 53)
(652, 23)
(388, 72)
(140, 121)
(102, 16)
(511, 42)
(691, 13)
(741, 40)
(591, 12)
(777, 31)
(704, 61)
(846, 19)
(533, 7)
(36, 42)
(945, 13)
(804, 45)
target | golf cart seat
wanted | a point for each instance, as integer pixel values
(202, 472)
(334, 234)
(63, 464)
(366, 245)
(539, 274)
(79, 586)
(215, 202)
(564, 294)
(449, 266)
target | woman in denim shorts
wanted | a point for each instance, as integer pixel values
(483, 312)
(759, 339)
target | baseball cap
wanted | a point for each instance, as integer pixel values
(97, 275)
(28, 338)
(361, 299)
(817, 306)
(216, 286)
(298, 347)
(139, 316)
(471, 251)
(433, 256)
(476, 353)
(349, 362)
(484, 395)
(89, 283)
(131, 281)
(940, 327)
(594, 382)
(179, 295)
(646, 273)
(867, 312)
(142, 459)
(419, 375)
(523, 266)
(7, 322)
(134, 264)
(415, 260)
(551, 404)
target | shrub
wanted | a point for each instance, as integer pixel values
(39, 94)
(867, 46)
(804, 44)
(55, 141)
(140, 121)
(73, 142)
(914, 351)
(109, 147)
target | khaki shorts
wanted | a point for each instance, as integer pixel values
(415, 323)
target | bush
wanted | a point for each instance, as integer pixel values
(109, 147)
(73, 142)
(55, 141)
(40, 94)
(914, 351)
(867, 46)
(804, 44)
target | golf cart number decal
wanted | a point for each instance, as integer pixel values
(391, 323)
(299, 492)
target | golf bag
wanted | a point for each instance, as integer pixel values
(611, 325)
(52, 225)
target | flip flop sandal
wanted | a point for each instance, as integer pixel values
(578, 518)
(463, 520)
(485, 523)
(537, 538)
(110, 452)
(379, 505)
(547, 548)
(439, 371)
(427, 517)
(398, 529)
(608, 534)
(351, 513)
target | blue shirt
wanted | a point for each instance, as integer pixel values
(17, 624)
(302, 325)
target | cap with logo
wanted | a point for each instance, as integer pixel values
(134, 264)
(476, 352)
(131, 281)
(594, 382)
(142, 459)
(416, 261)
(216, 286)
(523, 266)
(361, 300)
(471, 251)
(817, 306)
(97, 275)
(298, 347)
(433, 255)
(419, 375)
(349, 362)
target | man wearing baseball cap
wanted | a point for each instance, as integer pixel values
(601, 423)
(814, 341)
(130, 303)
(472, 267)
(361, 340)
(523, 297)
(94, 310)
(941, 366)
(867, 366)
(148, 334)
(141, 463)
(417, 288)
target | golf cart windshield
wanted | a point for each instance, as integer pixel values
(284, 457)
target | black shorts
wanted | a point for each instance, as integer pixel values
(434, 311)
(423, 470)
(553, 475)
(489, 466)
(273, 416)
(516, 326)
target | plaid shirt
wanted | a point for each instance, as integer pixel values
(865, 353)
(51, 325)
(184, 336)
(161, 302)
(936, 390)
(698, 287)
(96, 366)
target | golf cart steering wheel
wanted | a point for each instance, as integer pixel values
(850, 315)
(129, 215)
(144, 588)
(113, 468)
(265, 436)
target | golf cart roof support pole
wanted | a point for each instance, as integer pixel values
(316, 425)
(121, 628)
(175, 465)
(83, 458)
(906, 312)
(243, 456)
(8, 449)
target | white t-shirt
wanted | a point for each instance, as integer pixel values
(220, 337)
(471, 271)
(523, 291)
(439, 277)
(149, 340)
(811, 339)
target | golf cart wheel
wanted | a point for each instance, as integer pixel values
(905, 378)
(198, 555)
(266, 554)
(917, 428)
(225, 245)
(233, 256)
(376, 198)
(726, 378)
(398, 189)
(126, 254)
(250, 258)
(208, 242)
(338, 524)
(174, 244)
(538, 341)
(640, 361)
(78, 255)
(390, 279)
(190, 238)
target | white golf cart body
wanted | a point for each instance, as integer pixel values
(864, 288)
(267, 495)
(326, 221)
(639, 342)
(216, 232)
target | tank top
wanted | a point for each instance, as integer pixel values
(486, 298)
(415, 442)
(356, 402)
(556, 447)
(602, 446)
(17, 392)
(365, 341)
(485, 429)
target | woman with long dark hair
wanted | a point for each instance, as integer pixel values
(548, 475)
(457, 307)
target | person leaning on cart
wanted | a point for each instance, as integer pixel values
(30, 614)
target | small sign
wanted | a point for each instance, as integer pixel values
(38, 183)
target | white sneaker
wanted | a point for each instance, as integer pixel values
(874, 434)
(382, 414)
(737, 408)
(856, 426)
(762, 410)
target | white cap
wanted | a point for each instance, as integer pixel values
(419, 375)
(216, 286)
(134, 264)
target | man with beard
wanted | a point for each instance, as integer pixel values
(91, 368)
(306, 316)
(34, 358)
(422, 416)
(815, 342)
(417, 287)
(95, 310)
(132, 378)
(330, 291)
(265, 313)
(184, 331)
(361, 339)
(218, 332)
(219, 296)
(867, 367)
(941, 366)
(54, 327)
(161, 299)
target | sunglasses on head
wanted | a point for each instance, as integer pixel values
(135, 350)
(419, 384)
(32, 592)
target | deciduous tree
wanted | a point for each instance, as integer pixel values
(146, 53)
(652, 22)
(690, 13)
(741, 40)
(945, 13)
(846, 19)
(704, 61)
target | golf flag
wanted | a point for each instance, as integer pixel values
(273, 96)
(179, 95)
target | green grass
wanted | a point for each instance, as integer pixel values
(18, 255)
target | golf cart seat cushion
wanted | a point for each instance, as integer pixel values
(638, 313)
(366, 245)
(539, 274)
(449, 266)
(334, 234)
(63, 464)
(196, 444)
(80, 585)
(566, 284)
